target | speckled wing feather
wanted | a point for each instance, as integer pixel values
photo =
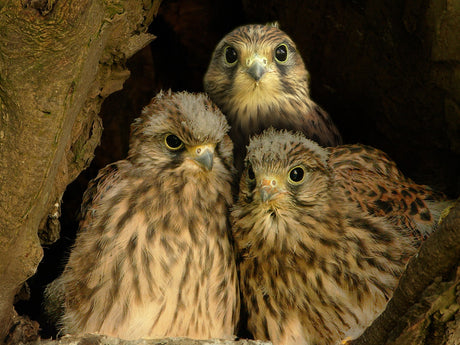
(97, 187)
(54, 297)
(370, 178)
(319, 127)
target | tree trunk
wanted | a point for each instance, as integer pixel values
(58, 61)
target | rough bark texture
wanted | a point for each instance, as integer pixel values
(58, 61)
(434, 320)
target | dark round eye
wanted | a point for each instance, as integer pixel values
(230, 55)
(251, 175)
(296, 174)
(281, 53)
(173, 142)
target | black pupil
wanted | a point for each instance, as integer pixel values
(173, 141)
(281, 53)
(251, 174)
(296, 174)
(230, 55)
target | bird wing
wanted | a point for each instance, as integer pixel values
(318, 126)
(106, 178)
(372, 180)
(54, 294)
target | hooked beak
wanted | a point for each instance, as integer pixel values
(203, 155)
(269, 188)
(257, 67)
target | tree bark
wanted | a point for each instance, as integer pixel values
(58, 61)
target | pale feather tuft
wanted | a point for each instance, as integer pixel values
(195, 112)
(277, 143)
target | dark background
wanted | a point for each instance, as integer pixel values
(375, 66)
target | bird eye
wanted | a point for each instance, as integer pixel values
(297, 174)
(281, 53)
(251, 175)
(173, 142)
(230, 55)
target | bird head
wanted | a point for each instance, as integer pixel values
(181, 129)
(254, 66)
(284, 170)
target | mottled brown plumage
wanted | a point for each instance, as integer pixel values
(315, 267)
(372, 180)
(258, 79)
(154, 255)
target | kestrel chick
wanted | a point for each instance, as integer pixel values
(258, 79)
(154, 256)
(315, 268)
